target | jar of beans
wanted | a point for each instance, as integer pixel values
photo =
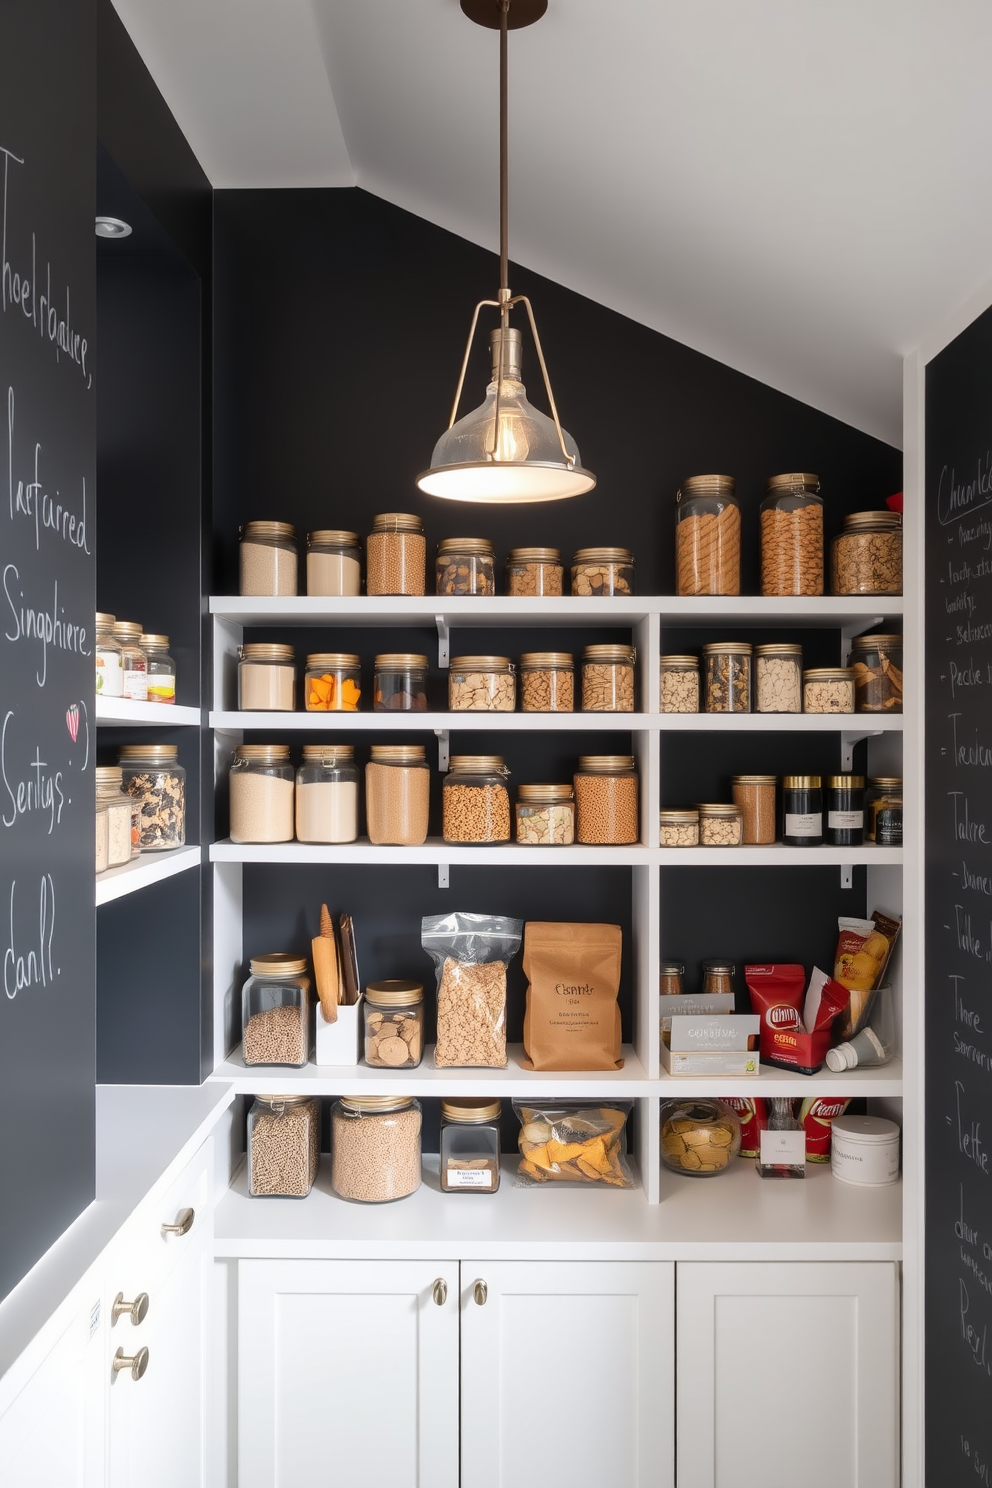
(154, 778)
(844, 810)
(470, 1146)
(275, 1011)
(475, 801)
(727, 676)
(283, 1146)
(606, 799)
(720, 825)
(333, 682)
(678, 828)
(268, 558)
(534, 571)
(396, 555)
(334, 562)
(602, 571)
(866, 557)
(161, 669)
(883, 811)
(465, 565)
(755, 796)
(547, 683)
(608, 679)
(327, 794)
(375, 1147)
(394, 1024)
(708, 536)
(792, 536)
(778, 678)
(545, 815)
(828, 690)
(266, 678)
(400, 683)
(262, 790)
(482, 684)
(397, 795)
(679, 684)
(877, 664)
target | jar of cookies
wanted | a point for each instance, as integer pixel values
(396, 555)
(547, 683)
(394, 1024)
(866, 557)
(679, 684)
(708, 536)
(534, 571)
(465, 565)
(792, 536)
(699, 1138)
(828, 690)
(608, 679)
(599, 571)
(482, 684)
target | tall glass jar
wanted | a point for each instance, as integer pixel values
(134, 661)
(866, 557)
(154, 777)
(470, 1146)
(534, 571)
(678, 681)
(778, 678)
(755, 796)
(283, 1146)
(394, 1024)
(606, 799)
(111, 798)
(334, 563)
(268, 558)
(375, 1147)
(400, 683)
(482, 684)
(275, 1011)
(545, 815)
(802, 810)
(261, 792)
(333, 682)
(708, 536)
(475, 801)
(602, 571)
(266, 678)
(727, 670)
(883, 811)
(547, 682)
(397, 794)
(108, 654)
(465, 565)
(396, 555)
(327, 794)
(161, 668)
(792, 536)
(877, 664)
(608, 679)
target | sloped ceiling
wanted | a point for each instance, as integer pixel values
(798, 188)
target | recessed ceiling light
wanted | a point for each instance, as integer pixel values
(112, 227)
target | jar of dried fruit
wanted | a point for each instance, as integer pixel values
(475, 801)
(268, 558)
(727, 673)
(334, 563)
(866, 557)
(153, 776)
(608, 679)
(482, 684)
(465, 565)
(283, 1146)
(877, 664)
(708, 536)
(396, 555)
(534, 571)
(545, 815)
(400, 683)
(679, 684)
(394, 1024)
(792, 536)
(397, 795)
(778, 678)
(266, 678)
(601, 571)
(275, 1011)
(606, 799)
(375, 1147)
(470, 1146)
(333, 682)
(547, 682)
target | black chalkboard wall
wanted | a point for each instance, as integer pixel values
(47, 554)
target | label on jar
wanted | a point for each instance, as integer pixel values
(888, 827)
(804, 824)
(468, 1177)
(846, 820)
(136, 686)
(109, 674)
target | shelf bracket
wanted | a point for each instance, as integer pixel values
(443, 743)
(846, 876)
(442, 876)
(853, 628)
(848, 739)
(442, 640)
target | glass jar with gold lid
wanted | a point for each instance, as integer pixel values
(678, 678)
(334, 563)
(792, 536)
(547, 682)
(400, 682)
(678, 827)
(721, 824)
(112, 798)
(883, 811)
(708, 536)
(396, 555)
(333, 682)
(465, 565)
(268, 559)
(161, 668)
(602, 571)
(397, 795)
(470, 1146)
(866, 557)
(608, 679)
(475, 801)
(394, 1024)
(275, 1011)
(262, 792)
(534, 571)
(283, 1146)
(134, 661)
(545, 815)
(266, 678)
(482, 684)
(375, 1147)
(156, 781)
(606, 799)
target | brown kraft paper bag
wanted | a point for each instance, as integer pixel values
(571, 1020)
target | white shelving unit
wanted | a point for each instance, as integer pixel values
(150, 868)
(122, 713)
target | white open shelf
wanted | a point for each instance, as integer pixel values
(121, 712)
(150, 868)
(859, 725)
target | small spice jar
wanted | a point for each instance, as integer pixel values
(283, 1146)
(718, 976)
(375, 1147)
(400, 683)
(708, 536)
(153, 776)
(778, 678)
(470, 1147)
(334, 563)
(883, 811)
(792, 536)
(266, 678)
(465, 565)
(866, 557)
(268, 558)
(877, 664)
(475, 801)
(699, 1138)
(161, 668)
(396, 555)
(678, 828)
(720, 824)
(275, 1011)
(755, 795)
(599, 571)
(679, 684)
(547, 682)
(845, 810)
(327, 794)
(109, 657)
(534, 571)
(397, 795)
(333, 682)
(828, 690)
(394, 1024)
(608, 679)
(262, 792)
(545, 815)
(134, 660)
(727, 674)
(606, 799)
(111, 799)
(670, 974)
(482, 684)
(802, 810)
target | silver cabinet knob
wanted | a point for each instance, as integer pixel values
(183, 1224)
(439, 1291)
(137, 1363)
(480, 1293)
(138, 1309)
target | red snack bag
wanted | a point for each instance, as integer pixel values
(753, 1114)
(795, 1035)
(817, 1116)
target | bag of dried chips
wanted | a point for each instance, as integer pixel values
(573, 1142)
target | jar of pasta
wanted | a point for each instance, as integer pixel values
(268, 558)
(375, 1147)
(792, 536)
(606, 799)
(397, 795)
(720, 825)
(333, 682)
(679, 684)
(876, 661)
(778, 678)
(465, 565)
(608, 679)
(262, 793)
(602, 571)
(708, 536)
(266, 678)
(534, 571)
(482, 684)
(828, 690)
(727, 673)
(545, 815)
(396, 555)
(866, 556)
(678, 828)
(334, 563)
(475, 801)
(547, 683)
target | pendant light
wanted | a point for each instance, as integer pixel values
(506, 450)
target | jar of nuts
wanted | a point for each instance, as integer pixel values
(470, 1146)
(394, 1024)
(598, 571)
(283, 1146)
(606, 799)
(828, 690)
(333, 682)
(699, 1138)
(275, 1009)
(727, 673)
(532, 571)
(262, 788)
(677, 828)
(679, 684)
(778, 678)
(547, 683)
(755, 795)
(545, 815)
(720, 824)
(268, 562)
(877, 664)
(400, 683)
(608, 679)
(397, 795)
(792, 536)
(475, 801)
(708, 536)
(482, 684)
(465, 565)
(266, 678)
(396, 555)
(153, 776)
(375, 1147)
(866, 557)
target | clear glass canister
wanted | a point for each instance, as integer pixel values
(268, 558)
(333, 682)
(792, 536)
(678, 828)
(111, 798)
(679, 684)
(545, 815)
(670, 975)
(877, 664)
(266, 678)
(400, 683)
(397, 795)
(718, 976)
(465, 565)
(547, 682)
(482, 684)
(720, 824)
(396, 555)
(154, 777)
(394, 1024)
(470, 1147)
(275, 1011)
(708, 536)
(844, 810)
(608, 679)
(134, 660)
(327, 794)
(375, 1147)
(727, 674)
(883, 811)
(475, 801)
(778, 679)
(699, 1138)
(261, 790)
(602, 571)
(606, 799)
(334, 563)
(802, 810)
(534, 571)
(283, 1146)
(109, 657)
(866, 557)
(161, 668)
(755, 796)
(101, 838)
(828, 690)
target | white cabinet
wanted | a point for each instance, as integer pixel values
(788, 1374)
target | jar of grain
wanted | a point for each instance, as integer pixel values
(268, 558)
(375, 1153)
(394, 1024)
(283, 1146)
(679, 684)
(678, 828)
(883, 811)
(708, 536)
(101, 838)
(699, 1138)
(670, 974)
(606, 799)
(262, 793)
(602, 571)
(334, 563)
(866, 557)
(266, 678)
(828, 690)
(327, 794)
(545, 815)
(470, 1146)
(161, 668)
(720, 824)
(475, 802)
(718, 976)
(755, 796)
(534, 571)
(333, 682)
(482, 684)
(397, 794)
(465, 565)
(108, 654)
(876, 661)
(275, 1011)
(396, 555)
(400, 683)
(844, 810)
(153, 777)
(111, 798)
(727, 674)
(802, 810)
(792, 536)
(134, 661)
(778, 678)
(608, 679)
(547, 683)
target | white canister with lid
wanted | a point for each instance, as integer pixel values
(865, 1150)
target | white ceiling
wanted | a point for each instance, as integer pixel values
(799, 188)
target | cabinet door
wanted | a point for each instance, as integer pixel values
(787, 1374)
(567, 1375)
(348, 1372)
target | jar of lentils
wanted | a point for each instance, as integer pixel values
(708, 536)
(720, 825)
(866, 556)
(266, 678)
(397, 795)
(792, 536)
(547, 683)
(475, 801)
(828, 690)
(727, 675)
(400, 683)
(545, 815)
(678, 828)
(465, 565)
(283, 1146)
(396, 555)
(755, 796)
(598, 571)
(334, 563)
(534, 571)
(482, 684)
(375, 1147)
(153, 776)
(333, 682)
(275, 1011)
(262, 792)
(679, 684)
(606, 799)
(778, 678)
(608, 679)
(268, 558)
(877, 664)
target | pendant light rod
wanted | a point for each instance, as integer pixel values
(504, 167)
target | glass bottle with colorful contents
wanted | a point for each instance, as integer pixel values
(333, 682)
